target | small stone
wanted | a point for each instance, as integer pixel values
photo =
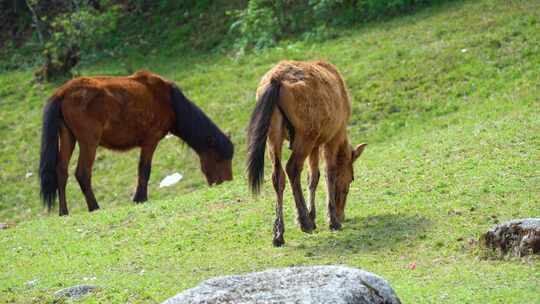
(313, 284)
(75, 292)
(3, 226)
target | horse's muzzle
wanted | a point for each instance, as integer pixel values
(219, 180)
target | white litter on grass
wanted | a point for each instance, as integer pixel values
(464, 50)
(170, 180)
(28, 174)
(92, 278)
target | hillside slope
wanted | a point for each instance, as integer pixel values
(448, 99)
(411, 68)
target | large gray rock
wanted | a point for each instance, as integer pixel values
(75, 292)
(520, 237)
(315, 284)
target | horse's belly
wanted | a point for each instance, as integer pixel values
(118, 137)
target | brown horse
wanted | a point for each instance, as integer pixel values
(313, 109)
(121, 113)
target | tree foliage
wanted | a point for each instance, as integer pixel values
(76, 25)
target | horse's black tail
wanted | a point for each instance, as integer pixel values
(52, 118)
(258, 133)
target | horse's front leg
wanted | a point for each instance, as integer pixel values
(330, 157)
(145, 166)
(331, 179)
(313, 182)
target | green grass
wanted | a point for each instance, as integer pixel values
(448, 99)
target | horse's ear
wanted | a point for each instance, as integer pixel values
(358, 151)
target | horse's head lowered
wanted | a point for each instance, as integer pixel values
(215, 167)
(345, 176)
(214, 148)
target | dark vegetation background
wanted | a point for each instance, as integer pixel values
(66, 33)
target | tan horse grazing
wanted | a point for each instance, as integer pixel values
(122, 113)
(308, 104)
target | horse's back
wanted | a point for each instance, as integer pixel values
(103, 97)
(313, 95)
(122, 111)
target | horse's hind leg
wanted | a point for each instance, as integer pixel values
(314, 175)
(67, 144)
(275, 142)
(278, 180)
(145, 166)
(301, 149)
(83, 174)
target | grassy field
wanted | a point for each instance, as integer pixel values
(447, 98)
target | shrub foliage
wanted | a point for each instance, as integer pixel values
(65, 31)
(80, 27)
(263, 22)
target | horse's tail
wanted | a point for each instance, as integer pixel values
(52, 119)
(258, 133)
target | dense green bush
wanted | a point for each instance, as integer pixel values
(63, 31)
(67, 31)
(72, 34)
(257, 25)
(263, 22)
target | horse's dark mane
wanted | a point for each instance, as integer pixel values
(196, 129)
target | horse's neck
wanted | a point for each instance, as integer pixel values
(344, 146)
(342, 140)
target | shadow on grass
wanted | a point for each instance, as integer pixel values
(371, 233)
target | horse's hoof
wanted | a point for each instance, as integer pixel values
(93, 208)
(313, 225)
(63, 213)
(308, 227)
(312, 216)
(335, 226)
(278, 242)
(139, 200)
